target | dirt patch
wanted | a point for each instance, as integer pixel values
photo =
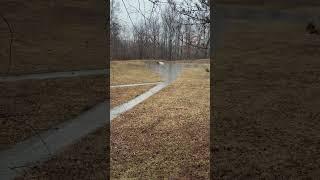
(167, 135)
(266, 99)
(130, 72)
(33, 106)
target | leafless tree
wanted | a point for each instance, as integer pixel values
(178, 30)
(155, 34)
(114, 28)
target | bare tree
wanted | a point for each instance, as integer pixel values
(155, 34)
(180, 30)
(114, 29)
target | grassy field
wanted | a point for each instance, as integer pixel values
(265, 91)
(167, 135)
(130, 72)
(34, 106)
(83, 160)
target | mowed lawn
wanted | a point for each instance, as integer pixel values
(266, 94)
(167, 135)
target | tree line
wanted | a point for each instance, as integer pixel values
(179, 30)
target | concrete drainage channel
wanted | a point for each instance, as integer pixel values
(39, 149)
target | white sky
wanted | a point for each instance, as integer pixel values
(133, 8)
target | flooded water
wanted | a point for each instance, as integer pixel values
(168, 71)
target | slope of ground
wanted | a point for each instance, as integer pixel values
(266, 92)
(167, 135)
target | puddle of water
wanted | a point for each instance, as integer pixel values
(168, 71)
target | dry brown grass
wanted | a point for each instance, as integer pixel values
(167, 135)
(66, 36)
(130, 72)
(85, 160)
(284, 4)
(194, 61)
(121, 95)
(42, 104)
(266, 99)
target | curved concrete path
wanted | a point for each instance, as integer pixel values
(38, 149)
(34, 150)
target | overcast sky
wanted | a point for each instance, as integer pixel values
(133, 8)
